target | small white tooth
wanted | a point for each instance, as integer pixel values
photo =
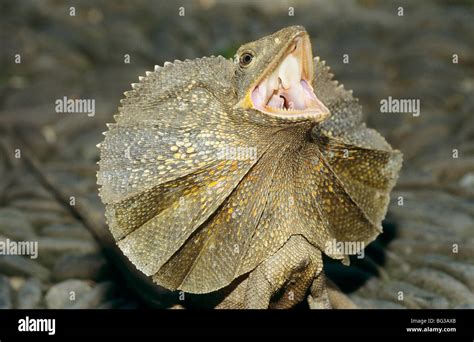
(148, 73)
(157, 67)
(168, 63)
(141, 78)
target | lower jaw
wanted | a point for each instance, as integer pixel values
(293, 115)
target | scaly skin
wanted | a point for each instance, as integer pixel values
(196, 220)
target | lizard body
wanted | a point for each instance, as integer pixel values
(237, 174)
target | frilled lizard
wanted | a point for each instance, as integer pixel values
(236, 175)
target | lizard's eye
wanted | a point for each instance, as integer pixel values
(245, 59)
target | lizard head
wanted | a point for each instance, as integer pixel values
(274, 75)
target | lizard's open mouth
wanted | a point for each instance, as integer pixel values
(285, 89)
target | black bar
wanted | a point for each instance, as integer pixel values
(243, 323)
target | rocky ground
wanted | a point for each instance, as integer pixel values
(425, 257)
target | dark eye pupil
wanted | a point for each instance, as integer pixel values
(246, 59)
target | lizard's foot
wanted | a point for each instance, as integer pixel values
(327, 295)
(283, 280)
(319, 297)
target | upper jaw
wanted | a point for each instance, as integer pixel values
(285, 90)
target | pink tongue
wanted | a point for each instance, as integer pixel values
(295, 95)
(298, 97)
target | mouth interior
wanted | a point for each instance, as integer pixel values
(286, 90)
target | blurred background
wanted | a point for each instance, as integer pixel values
(48, 193)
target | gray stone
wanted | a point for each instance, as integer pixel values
(15, 225)
(39, 219)
(16, 283)
(93, 299)
(119, 303)
(443, 284)
(177, 307)
(49, 249)
(365, 303)
(72, 231)
(29, 295)
(460, 270)
(16, 265)
(112, 304)
(413, 296)
(5, 293)
(80, 266)
(33, 204)
(64, 294)
(22, 190)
